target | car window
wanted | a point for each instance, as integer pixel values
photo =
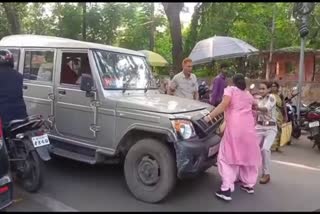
(72, 67)
(38, 65)
(16, 57)
(118, 71)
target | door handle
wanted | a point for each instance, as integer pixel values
(25, 87)
(63, 92)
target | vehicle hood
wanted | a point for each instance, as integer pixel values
(161, 103)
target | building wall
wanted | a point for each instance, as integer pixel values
(280, 66)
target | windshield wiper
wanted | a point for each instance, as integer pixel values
(146, 88)
(126, 85)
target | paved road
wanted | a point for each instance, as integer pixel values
(73, 186)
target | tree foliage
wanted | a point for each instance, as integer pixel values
(157, 25)
(250, 22)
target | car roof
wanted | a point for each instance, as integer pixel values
(39, 41)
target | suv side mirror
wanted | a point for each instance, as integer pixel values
(86, 83)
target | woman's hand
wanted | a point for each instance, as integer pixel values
(207, 118)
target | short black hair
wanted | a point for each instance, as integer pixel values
(239, 81)
(276, 83)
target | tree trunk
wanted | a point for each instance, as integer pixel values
(193, 34)
(172, 11)
(268, 72)
(152, 27)
(13, 18)
(84, 21)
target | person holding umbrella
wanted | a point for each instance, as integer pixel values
(218, 86)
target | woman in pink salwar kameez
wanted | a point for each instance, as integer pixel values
(239, 155)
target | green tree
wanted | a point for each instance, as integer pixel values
(68, 19)
(250, 22)
(14, 12)
(137, 26)
(4, 30)
(36, 21)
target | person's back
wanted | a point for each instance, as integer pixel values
(12, 105)
(239, 114)
(241, 101)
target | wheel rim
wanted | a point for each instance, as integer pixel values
(148, 170)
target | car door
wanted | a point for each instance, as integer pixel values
(37, 69)
(74, 113)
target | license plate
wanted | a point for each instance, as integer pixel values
(314, 124)
(213, 150)
(40, 141)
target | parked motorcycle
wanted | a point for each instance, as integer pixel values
(302, 124)
(293, 117)
(313, 118)
(28, 146)
(203, 91)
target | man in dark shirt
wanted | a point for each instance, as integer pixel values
(218, 86)
(12, 105)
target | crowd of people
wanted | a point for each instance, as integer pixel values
(243, 149)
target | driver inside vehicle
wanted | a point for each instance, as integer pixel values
(70, 71)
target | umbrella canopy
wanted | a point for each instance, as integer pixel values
(220, 47)
(154, 59)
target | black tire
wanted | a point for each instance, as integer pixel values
(159, 152)
(33, 181)
(296, 132)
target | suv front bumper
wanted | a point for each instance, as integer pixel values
(196, 155)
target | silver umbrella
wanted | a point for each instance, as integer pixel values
(220, 47)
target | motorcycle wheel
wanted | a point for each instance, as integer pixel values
(296, 132)
(32, 177)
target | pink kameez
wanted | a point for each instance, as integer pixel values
(239, 155)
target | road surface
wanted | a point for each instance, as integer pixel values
(73, 186)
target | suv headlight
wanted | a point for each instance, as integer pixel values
(184, 128)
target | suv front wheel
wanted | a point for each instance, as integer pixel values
(150, 170)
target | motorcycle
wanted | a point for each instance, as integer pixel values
(28, 146)
(302, 124)
(203, 91)
(293, 118)
(313, 118)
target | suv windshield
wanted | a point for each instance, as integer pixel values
(123, 71)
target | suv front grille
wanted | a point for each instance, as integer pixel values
(203, 128)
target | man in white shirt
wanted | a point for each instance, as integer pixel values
(184, 84)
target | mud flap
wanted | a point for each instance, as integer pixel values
(43, 152)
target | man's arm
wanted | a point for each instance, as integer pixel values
(196, 95)
(173, 86)
(196, 87)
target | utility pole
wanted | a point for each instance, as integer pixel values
(301, 11)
